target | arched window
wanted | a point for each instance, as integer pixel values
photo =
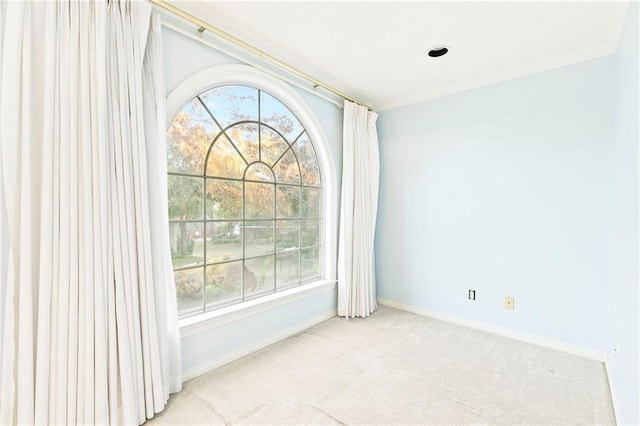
(245, 199)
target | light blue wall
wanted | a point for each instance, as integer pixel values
(184, 57)
(502, 189)
(200, 349)
(623, 319)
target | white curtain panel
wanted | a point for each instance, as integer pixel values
(89, 322)
(359, 204)
(153, 90)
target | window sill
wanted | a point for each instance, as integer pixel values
(208, 320)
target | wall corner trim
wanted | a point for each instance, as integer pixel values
(212, 364)
(501, 331)
(612, 390)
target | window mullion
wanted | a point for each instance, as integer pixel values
(244, 241)
(259, 128)
(273, 221)
(204, 244)
(300, 234)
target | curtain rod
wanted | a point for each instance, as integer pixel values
(205, 26)
(181, 29)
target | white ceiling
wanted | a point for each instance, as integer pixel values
(377, 51)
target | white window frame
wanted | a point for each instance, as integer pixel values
(233, 74)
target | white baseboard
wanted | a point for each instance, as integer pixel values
(501, 331)
(612, 390)
(226, 358)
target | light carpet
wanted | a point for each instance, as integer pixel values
(397, 368)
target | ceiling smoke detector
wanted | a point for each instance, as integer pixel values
(438, 51)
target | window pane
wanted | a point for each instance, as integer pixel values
(287, 235)
(225, 161)
(287, 269)
(272, 145)
(185, 198)
(310, 202)
(310, 264)
(224, 241)
(224, 283)
(224, 199)
(230, 104)
(287, 170)
(308, 161)
(188, 139)
(189, 290)
(184, 250)
(274, 113)
(245, 138)
(258, 275)
(259, 200)
(310, 233)
(245, 199)
(287, 201)
(258, 238)
(260, 172)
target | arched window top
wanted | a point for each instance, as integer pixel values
(240, 132)
(247, 207)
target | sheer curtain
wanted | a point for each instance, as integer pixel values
(359, 204)
(88, 325)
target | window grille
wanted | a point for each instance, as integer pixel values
(245, 199)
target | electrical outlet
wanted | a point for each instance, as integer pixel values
(509, 302)
(472, 295)
(616, 350)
